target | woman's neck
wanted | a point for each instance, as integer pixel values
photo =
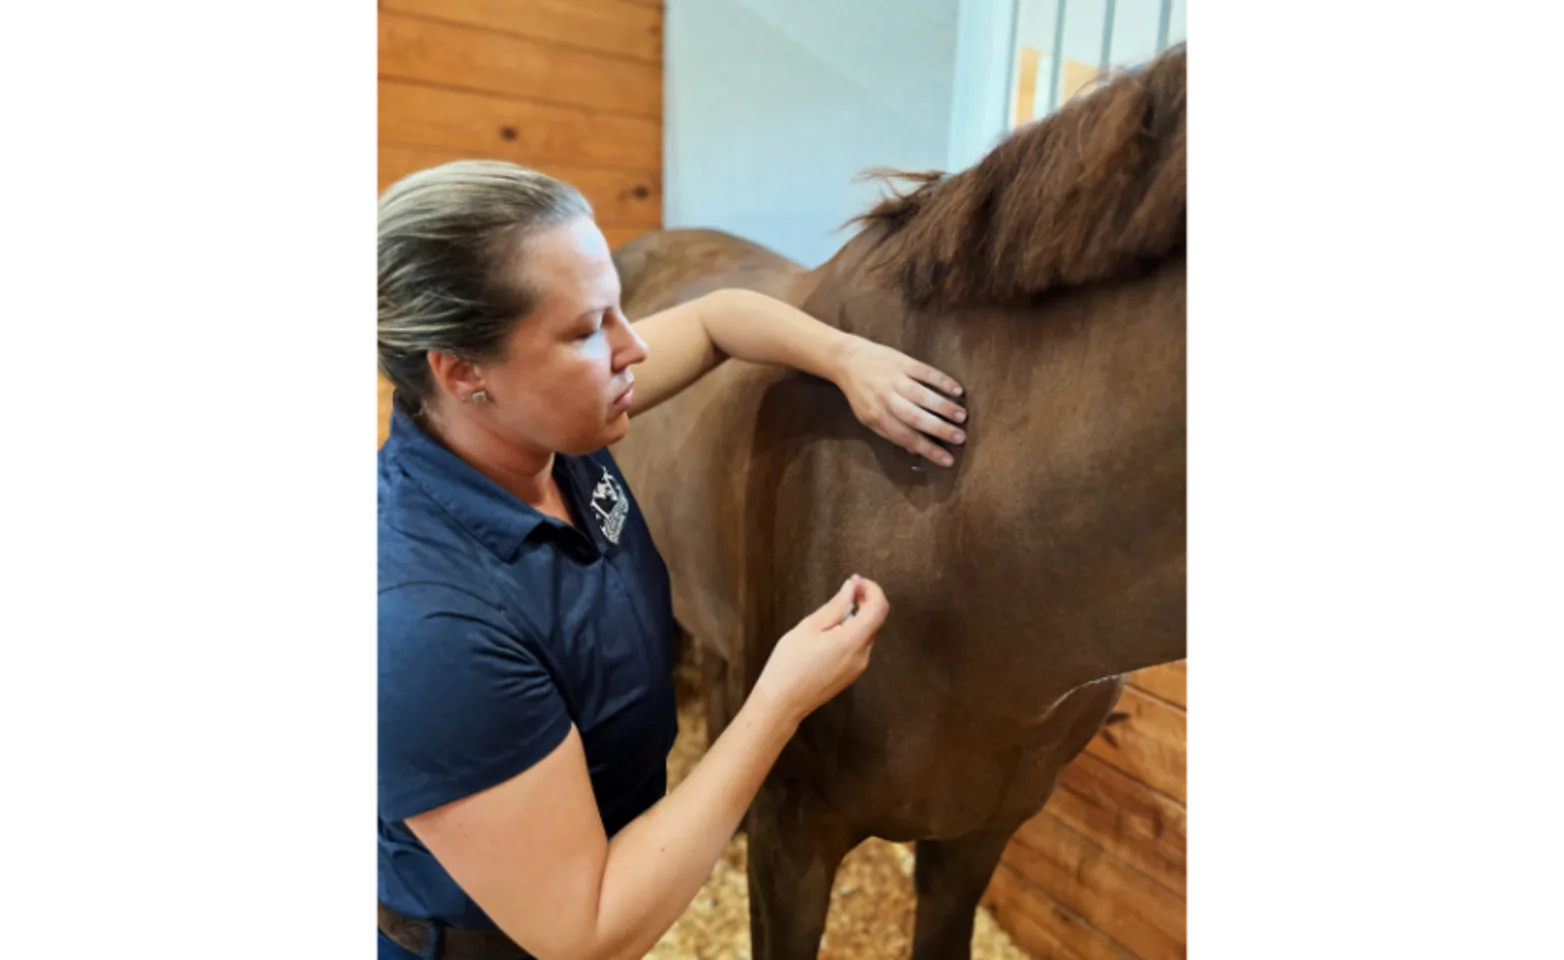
(525, 472)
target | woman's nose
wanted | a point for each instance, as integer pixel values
(632, 349)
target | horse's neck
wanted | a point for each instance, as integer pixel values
(802, 285)
(1075, 457)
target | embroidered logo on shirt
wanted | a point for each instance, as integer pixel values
(611, 506)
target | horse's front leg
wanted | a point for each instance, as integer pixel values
(795, 846)
(951, 875)
(950, 878)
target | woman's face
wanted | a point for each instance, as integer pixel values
(565, 383)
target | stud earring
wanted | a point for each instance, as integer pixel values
(480, 396)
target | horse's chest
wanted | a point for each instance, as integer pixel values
(937, 780)
(947, 768)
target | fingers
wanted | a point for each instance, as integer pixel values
(931, 401)
(873, 608)
(835, 610)
(861, 598)
(922, 420)
(929, 375)
(913, 442)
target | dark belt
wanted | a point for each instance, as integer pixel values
(449, 943)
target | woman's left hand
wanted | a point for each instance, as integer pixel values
(890, 394)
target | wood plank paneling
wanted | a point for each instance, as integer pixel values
(1145, 738)
(431, 51)
(1137, 913)
(1169, 681)
(619, 236)
(607, 26)
(1043, 927)
(383, 410)
(528, 133)
(619, 198)
(1101, 871)
(1119, 814)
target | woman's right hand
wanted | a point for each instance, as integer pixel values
(817, 659)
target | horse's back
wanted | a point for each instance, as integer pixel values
(668, 267)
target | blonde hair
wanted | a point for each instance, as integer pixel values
(444, 234)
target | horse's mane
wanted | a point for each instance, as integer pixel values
(1093, 191)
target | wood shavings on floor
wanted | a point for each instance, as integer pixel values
(872, 903)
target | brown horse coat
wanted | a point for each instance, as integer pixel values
(1026, 580)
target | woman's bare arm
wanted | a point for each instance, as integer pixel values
(532, 853)
(686, 341)
(889, 391)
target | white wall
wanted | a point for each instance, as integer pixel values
(985, 62)
(772, 107)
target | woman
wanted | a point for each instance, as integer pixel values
(526, 634)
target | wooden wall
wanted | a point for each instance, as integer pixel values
(1099, 874)
(382, 411)
(569, 87)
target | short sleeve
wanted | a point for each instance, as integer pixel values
(464, 703)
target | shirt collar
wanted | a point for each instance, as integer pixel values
(496, 517)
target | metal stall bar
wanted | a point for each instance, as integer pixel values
(1058, 59)
(1107, 42)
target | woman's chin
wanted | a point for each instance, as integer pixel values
(612, 432)
(618, 428)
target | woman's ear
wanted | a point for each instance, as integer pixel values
(454, 377)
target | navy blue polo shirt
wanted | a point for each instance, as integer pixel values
(499, 628)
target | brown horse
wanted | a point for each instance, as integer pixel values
(1026, 580)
